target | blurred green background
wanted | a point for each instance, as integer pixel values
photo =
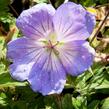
(87, 91)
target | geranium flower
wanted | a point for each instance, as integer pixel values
(53, 46)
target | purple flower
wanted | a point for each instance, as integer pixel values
(53, 46)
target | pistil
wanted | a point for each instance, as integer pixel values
(50, 45)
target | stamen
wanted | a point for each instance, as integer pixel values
(56, 44)
(50, 45)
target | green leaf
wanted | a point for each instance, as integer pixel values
(79, 102)
(40, 1)
(4, 7)
(105, 104)
(94, 104)
(2, 99)
(67, 102)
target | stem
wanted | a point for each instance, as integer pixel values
(14, 10)
(100, 27)
(107, 4)
(59, 101)
(49, 2)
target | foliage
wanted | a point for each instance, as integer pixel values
(87, 91)
(40, 1)
(4, 7)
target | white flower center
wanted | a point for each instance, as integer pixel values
(50, 43)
